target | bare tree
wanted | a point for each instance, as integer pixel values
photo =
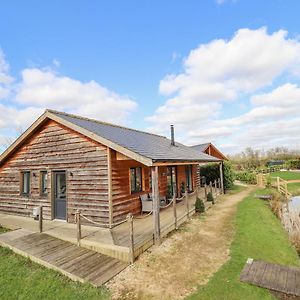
(8, 140)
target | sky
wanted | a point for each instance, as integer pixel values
(221, 71)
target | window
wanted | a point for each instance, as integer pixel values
(25, 183)
(189, 177)
(171, 182)
(135, 180)
(44, 183)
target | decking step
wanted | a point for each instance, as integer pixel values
(78, 263)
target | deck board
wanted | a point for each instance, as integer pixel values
(78, 263)
(278, 278)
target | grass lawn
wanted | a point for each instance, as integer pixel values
(235, 189)
(286, 175)
(259, 235)
(294, 188)
(21, 278)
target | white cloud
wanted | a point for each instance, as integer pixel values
(222, 71)
(5, 79)
(39, 89)
(45, 88)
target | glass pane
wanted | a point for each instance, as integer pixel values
(44, 182)
(132, 180)
(26, 178)
(61, 186)
(138, 179)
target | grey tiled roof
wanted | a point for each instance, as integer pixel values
(201, 147)
(155, 147)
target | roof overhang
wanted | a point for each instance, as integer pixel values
(48, 115)
(167, 162)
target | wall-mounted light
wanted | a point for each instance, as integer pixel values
(71, 174)
(33, 174)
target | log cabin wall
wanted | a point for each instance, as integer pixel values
(124, 201)
(55, 147)
(212, 151)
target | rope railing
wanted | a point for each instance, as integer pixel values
(165, 206)
(102, 224)
(130, 220)
(144, 216)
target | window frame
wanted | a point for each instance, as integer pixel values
(189, 178)
(42, 193)
(22, 174)
(135, 180)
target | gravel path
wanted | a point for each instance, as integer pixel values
(185, 260)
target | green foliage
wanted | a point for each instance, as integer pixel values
(228, 175)
(20, 278)
(259, 235)
(253, 159)
(293, 164)
(210, 198)
(2, 229)
(199, 205)
(246, 176)
(211, 172)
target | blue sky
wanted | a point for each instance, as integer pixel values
(149, 64)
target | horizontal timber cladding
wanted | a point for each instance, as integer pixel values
(52, 148)
(123, 201)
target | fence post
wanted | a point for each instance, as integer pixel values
(41, 219)
(187, 204)
(131, 238)
(216, 191)
(78, 222)
(175, 212)
(278, 184)
(205, 190)
(210, 187)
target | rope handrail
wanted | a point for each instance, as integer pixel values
(193, 193)
(102, 224)
(165, 206)
(179, 199)
(143, 217)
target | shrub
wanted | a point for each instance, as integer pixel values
(293, 164)
(228, 175)
(245, 176)
(199, 205)
(210, 198)
(211, 172)
(276, 203)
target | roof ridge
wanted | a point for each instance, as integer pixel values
(101, 122)
(209, 143)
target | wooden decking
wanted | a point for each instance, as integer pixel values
(112, 242)
(274, 277)
(77, 263)
(143, 226)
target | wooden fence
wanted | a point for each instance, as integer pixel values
(139, 234)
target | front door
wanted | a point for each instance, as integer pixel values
(60, 195)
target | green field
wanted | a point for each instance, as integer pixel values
(259, 235)
(294, 188)
(235, 189)
(22, 279)
(286, 175)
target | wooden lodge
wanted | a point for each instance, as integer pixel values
(210, 149)
(67, 163)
